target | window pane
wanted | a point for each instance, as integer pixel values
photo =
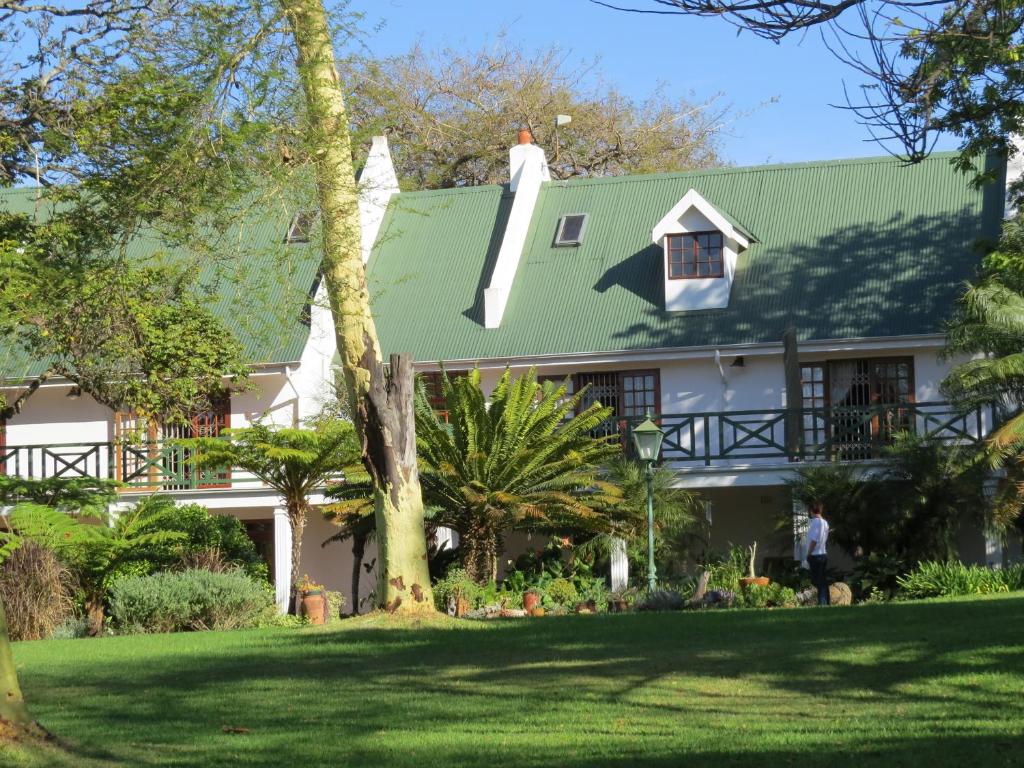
(572, 226)
(649, 382)
(627, 383)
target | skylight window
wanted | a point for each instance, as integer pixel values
(300, 227)
(571, 228)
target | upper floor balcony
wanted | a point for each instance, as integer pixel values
(696, 442)
(777, 436)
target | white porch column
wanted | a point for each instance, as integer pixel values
(993, 541)
(620, 564)
(445, 538)
(800, 525)
(282, 559)
(993, 550)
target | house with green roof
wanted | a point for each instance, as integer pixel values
(767, 317)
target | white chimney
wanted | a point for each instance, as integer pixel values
(377, 183)
(528, 169)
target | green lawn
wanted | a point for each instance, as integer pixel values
(923, 684)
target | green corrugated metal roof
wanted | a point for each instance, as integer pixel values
(259, 286)
(844, 249)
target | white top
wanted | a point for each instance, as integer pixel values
(817, 532)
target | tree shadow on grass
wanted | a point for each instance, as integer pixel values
(878, 685)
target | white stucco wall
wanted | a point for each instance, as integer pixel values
(50, 416)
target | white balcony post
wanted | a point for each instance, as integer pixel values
(620, 564)
(282, 559)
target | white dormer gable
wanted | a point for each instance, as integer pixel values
(695, 231)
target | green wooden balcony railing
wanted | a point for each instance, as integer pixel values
(843, 433)
(134, 466)
(715, 437)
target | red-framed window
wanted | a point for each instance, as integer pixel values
(628, 393)
(695, 255)
(857, 403)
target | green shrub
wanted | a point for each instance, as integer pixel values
(771, 596)
(562, 592)
(878, 574)
(71, 629)
(726, 572)
(456, 583)
(932, 579)
(189, 600)
(205, 539)
(661, 600)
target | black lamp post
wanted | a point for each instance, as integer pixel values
(647, 439)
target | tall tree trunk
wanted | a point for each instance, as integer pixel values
(14, 715)
(382, 403)
(297, 521)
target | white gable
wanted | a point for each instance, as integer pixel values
(693, 214)
(692, 201)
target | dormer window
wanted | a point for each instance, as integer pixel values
(695, 255)
(701, 245)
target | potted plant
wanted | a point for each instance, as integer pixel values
(620, 599)
(314, 603)
(752, 578)
(530, 599)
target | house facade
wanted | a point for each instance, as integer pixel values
(768, 316)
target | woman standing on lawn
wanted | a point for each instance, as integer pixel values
(817, 559)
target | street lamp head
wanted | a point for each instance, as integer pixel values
(647, 438)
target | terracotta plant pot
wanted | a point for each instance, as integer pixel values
(537, 612)
(760, 581)
(618, 606)
(314, 606)
(531, 600)
(587, 606)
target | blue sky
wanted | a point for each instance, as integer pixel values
(695, 58)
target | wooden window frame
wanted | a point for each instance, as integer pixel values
(876, 425)
(619, 418)
(827, 375)
(695, 256)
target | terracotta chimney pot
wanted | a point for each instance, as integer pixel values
(525, 137)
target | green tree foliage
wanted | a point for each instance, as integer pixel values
(451, 115)
(680, 524)
(523, 459)
(988, 326)
(911, 509)
(93, 545)
(929, 67)
(127, 134)
(218, 538)
(294, 462)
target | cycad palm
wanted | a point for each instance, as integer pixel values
(991, 321)
(524, 460)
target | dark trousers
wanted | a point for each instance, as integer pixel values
(818, 564)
